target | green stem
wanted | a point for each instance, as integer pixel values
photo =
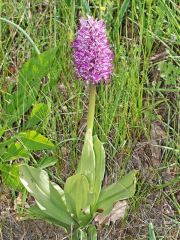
(24, 32)
(91, 109)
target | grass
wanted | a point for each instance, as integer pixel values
(138, 95)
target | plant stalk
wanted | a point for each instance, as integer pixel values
(91, 108)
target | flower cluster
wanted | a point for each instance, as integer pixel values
(91, 51)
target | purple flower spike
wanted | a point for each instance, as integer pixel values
(92, 54)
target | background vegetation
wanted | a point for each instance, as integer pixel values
(137, 113)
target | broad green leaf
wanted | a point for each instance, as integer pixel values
(4, 145)
(29, 83)
(14, 151)
(77, 194)
(10, 175)
(123, 189)
(49, 199)
(47, 162)
(39, 112)
(86, 164)
(79, 234)
(99, 166)
(37, 213)
(34, 141)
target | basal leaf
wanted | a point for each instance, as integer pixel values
(86, 164)
(92, 232)
(123, 189)
(34, 141)
(37, 213)
(49, 199)
(77, 194)
(99, 166)
(79, 234)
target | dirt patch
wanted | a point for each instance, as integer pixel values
(29, 230)
(155, 209)
(13, 229)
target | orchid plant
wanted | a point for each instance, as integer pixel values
(82, 197)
